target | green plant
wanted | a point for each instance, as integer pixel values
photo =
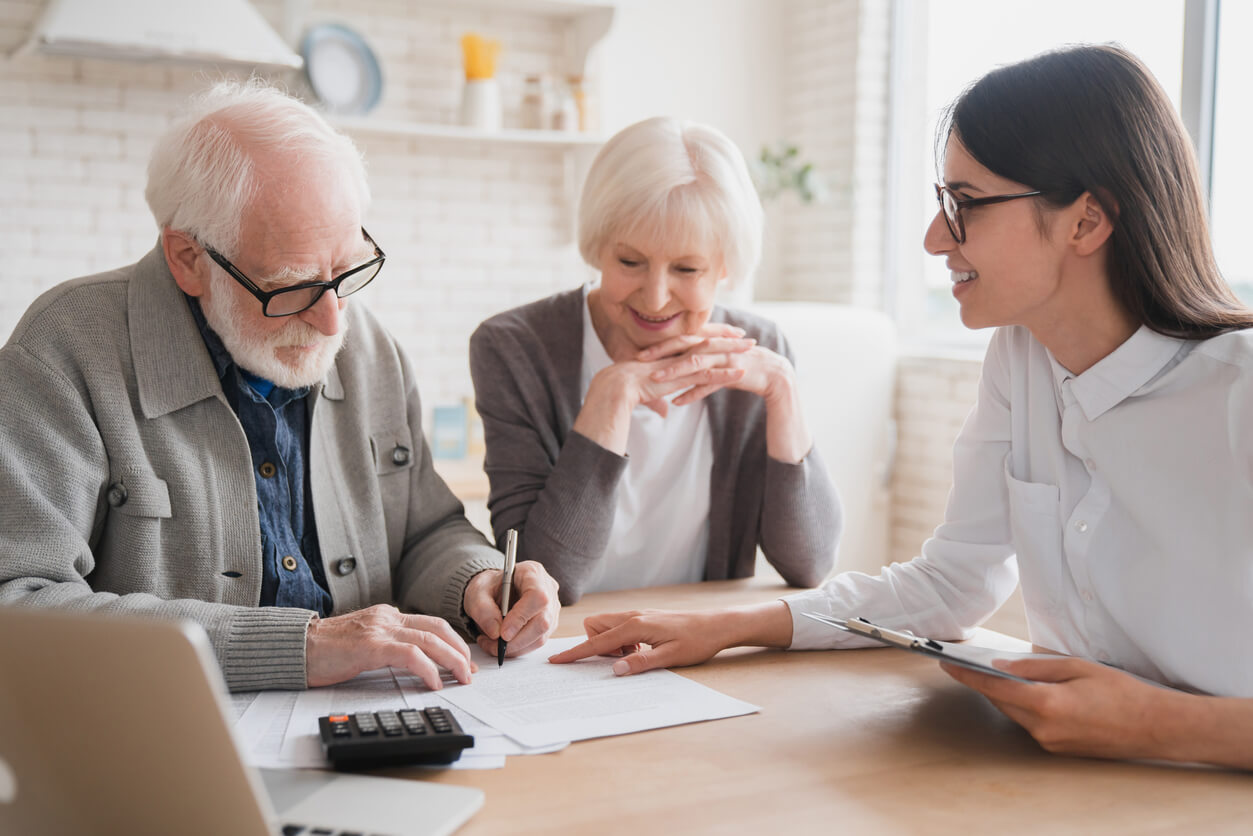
(781, 169)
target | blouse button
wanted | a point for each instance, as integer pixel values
(400, 455)
(268, 470)
(289, 563)
(346, 566)
(1081, 527)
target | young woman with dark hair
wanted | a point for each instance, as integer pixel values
(1108, 461)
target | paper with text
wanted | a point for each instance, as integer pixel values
(279, 729)
(537, 703)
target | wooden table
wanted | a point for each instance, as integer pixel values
(859, 742)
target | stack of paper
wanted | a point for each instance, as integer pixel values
(526, 707)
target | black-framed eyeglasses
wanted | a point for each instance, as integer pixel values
(951, 207)
(292, 300)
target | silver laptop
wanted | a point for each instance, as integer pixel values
(112, 725)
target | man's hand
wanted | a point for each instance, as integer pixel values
(532, 614)
(1081, 708)
(339, 648)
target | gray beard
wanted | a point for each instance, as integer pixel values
(259, 354)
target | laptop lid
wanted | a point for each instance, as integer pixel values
(116, 724)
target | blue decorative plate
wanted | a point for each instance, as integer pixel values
(341, 69)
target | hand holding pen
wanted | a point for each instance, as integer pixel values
(506, 587)
(523, 594)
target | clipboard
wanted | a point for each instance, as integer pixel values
(966, 656)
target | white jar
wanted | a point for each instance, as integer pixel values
(480, 104)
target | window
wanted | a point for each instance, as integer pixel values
(1231, 184)
(942, 46)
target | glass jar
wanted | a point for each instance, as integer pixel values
(565, 115)
(536, 103)
(578, 92)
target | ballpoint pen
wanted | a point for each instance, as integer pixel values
(506, 584)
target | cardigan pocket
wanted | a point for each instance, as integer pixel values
(393, 450)
(138, 493)
(138, 532)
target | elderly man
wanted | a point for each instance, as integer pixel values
(218, 433)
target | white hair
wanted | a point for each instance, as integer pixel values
(203, 171)
(677, 182)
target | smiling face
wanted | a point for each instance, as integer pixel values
(1009, 271)
(651, 291)
(300, 228)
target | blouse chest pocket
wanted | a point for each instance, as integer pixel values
(1035, 526)
(393, 450)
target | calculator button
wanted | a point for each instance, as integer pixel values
(338, 718)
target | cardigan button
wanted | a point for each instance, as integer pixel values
(400, 455)
(117, 495)
(346, 566)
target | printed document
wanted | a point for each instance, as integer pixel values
(539, 704)
(279, 729)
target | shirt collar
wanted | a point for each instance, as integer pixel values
(1121, 373)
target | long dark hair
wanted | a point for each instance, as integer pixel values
(1093, 118)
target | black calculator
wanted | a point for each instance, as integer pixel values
(370, 739)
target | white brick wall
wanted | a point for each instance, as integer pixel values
(469, 228)
(933, 397)
(835, 112)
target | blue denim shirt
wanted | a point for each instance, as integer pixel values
(276, 423)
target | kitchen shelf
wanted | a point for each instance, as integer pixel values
(586, 21)
(557, 139)
(554, 8)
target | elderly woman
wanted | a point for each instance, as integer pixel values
(637, 433)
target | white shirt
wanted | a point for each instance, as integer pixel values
(660, 528)
(1126, 494)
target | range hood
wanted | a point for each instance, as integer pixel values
(187, 31)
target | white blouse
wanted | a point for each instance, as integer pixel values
(655, 541)
(1124, 498)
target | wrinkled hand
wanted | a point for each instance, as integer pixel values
(616, 390)
(695, 362)
(675, 638)
(1078, 707)
(758, 370)
(340, 647)
(532, 613)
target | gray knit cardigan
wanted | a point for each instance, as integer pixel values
(557, 487)
(126, 483)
